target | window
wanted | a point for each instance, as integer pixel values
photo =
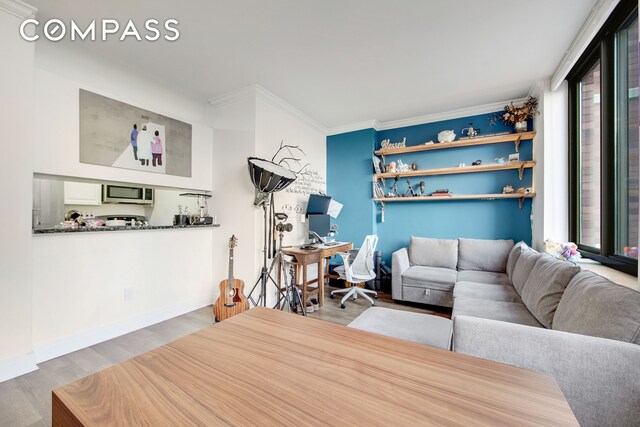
(604, 153)
(627, 153)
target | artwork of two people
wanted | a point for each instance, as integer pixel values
(147, 145)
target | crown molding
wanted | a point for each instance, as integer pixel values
(367, 124)
(279, 103)
(263, 94)
(448, 115)
(18, 8)
(587, 32)
(428, 118)
(232, 96)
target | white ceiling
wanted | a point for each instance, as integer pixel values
(345, 61)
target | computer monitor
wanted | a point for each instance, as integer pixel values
(318, 205)
(320, 224)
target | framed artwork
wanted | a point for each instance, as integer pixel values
(113, 133)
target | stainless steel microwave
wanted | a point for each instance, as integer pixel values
(125, 194)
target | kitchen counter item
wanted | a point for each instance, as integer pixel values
(115, 223)
(181, 219)
(68, 230)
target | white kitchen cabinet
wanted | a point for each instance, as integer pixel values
(81, 193)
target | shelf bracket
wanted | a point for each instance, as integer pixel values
(517, 143)
(521, 202)
(521, 171)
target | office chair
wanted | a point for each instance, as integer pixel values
(360, 271)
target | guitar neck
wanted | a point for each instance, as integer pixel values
(230, 267)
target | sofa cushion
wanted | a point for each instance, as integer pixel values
(514, 254)
(524, 265)
(422, 328)
(545, 286)
(433, 252)
(593, 305)
(483, 255)
(505, 293)
(512, 312)
(488, 277)
(430, 277)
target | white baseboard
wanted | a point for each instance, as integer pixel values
(16, 366)
(59, 347)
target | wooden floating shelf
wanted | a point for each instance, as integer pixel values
(519, 196)
(464, 169)
(512, 137)
(457, 197)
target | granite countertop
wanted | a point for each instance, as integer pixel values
(58, 230)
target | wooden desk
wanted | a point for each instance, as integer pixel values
(266, 367)
(306, 257)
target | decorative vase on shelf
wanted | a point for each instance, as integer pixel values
(521, 126)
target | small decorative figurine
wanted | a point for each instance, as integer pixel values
(507, 189)
(477, 163)
(402, 167)
(391, 167)
(470, 131)
(446, 136)
(422, 188)
(500, 160)
(414, 166)
(528, 190)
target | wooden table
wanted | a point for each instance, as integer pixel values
(306, 257)
(266, 367)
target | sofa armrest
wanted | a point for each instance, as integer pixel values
(600, 378)
(399, 264)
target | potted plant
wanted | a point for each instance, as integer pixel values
(518, 115)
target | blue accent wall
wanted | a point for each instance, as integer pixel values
(349, 181)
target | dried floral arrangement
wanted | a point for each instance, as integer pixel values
(513, 114)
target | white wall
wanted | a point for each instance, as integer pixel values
(556, 158)
(275, 124)
(550, 212)
(252, 122)
(79, 281)
(234, 140)
(61, 73)
(16, 107)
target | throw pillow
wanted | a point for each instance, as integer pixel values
(483, 255)
(514, 254)
(545, 286)
(523, 267)
(428, 252)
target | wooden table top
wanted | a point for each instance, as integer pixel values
(266, 367)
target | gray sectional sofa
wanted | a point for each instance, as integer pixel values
(428, 270)
(514, 305)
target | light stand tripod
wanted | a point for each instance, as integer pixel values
(265, 273)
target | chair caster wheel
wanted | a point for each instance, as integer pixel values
(343, 305)
(375, 296)
(332, 296)
(215, 320)
(353, 299)
(373, 305)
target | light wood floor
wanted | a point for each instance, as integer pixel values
(26, 400)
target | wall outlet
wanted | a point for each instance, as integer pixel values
(129, 294)
(427, 292)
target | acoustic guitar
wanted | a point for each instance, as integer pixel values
(231, 300)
